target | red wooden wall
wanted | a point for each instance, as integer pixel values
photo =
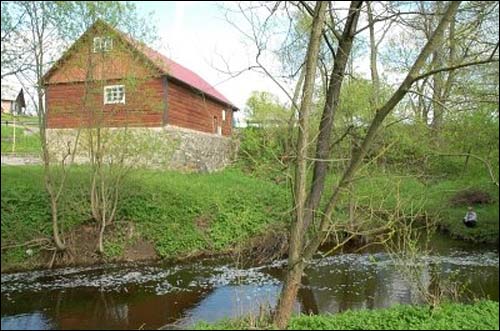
(188, 108)
(70, 107)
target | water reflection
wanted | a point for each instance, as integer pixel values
(152, 296)
(31, 321)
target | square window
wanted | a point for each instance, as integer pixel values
(102, 44)
(108, 44)
(114, 94)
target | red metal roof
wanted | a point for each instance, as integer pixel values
(177, 71)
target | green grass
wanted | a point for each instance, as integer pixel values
(411, 196)
(25, 143)
(183, 214)
(180, 213)
(482, 315)
(20, 118)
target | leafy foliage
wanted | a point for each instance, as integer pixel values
(264, 110)
(263, 152)
(482, 315)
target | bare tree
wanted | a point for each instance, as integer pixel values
(46, 27)
(15, 54)
(311, 223)
(40, 31)
(292, 280)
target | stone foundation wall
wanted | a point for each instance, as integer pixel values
(167, 147)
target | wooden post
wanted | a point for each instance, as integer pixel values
(14, 135)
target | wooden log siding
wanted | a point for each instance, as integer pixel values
(189, 108)
(144, 105)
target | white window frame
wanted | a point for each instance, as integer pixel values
(108, 44)
(109, 88)
(97, 44)
(219, 130)
(223, 115)
(102, 44)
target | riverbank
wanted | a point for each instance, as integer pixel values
(178, 216)
(481, 315)
(443, 201)
(211, 289)
(173, 214)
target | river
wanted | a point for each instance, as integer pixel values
(163, 295)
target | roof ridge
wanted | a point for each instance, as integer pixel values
(175, 69)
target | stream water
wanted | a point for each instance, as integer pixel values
(161, 295)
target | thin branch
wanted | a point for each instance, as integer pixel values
(458, 66)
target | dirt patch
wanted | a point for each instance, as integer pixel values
(82, 246)
(203, 222)
(471, 197)
(140, 250)
(269, 246)
(81, 243)
(20, 160)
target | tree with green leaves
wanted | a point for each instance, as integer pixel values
(263, 109)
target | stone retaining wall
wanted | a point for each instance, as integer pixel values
(166, 147)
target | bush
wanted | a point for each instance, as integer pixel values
(263, 152)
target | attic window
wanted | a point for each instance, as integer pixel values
(102, 44)
(114, 94)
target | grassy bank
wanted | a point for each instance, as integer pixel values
(180, 214)
(445, 201)
(188, 214)
(27, 140)
(21, 118)
(482, 315)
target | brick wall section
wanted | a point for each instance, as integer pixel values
(68, 107)
(188, 108)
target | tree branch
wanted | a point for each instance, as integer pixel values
(458, 66)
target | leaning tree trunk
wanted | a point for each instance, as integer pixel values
(323, 146)
(292, 281)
